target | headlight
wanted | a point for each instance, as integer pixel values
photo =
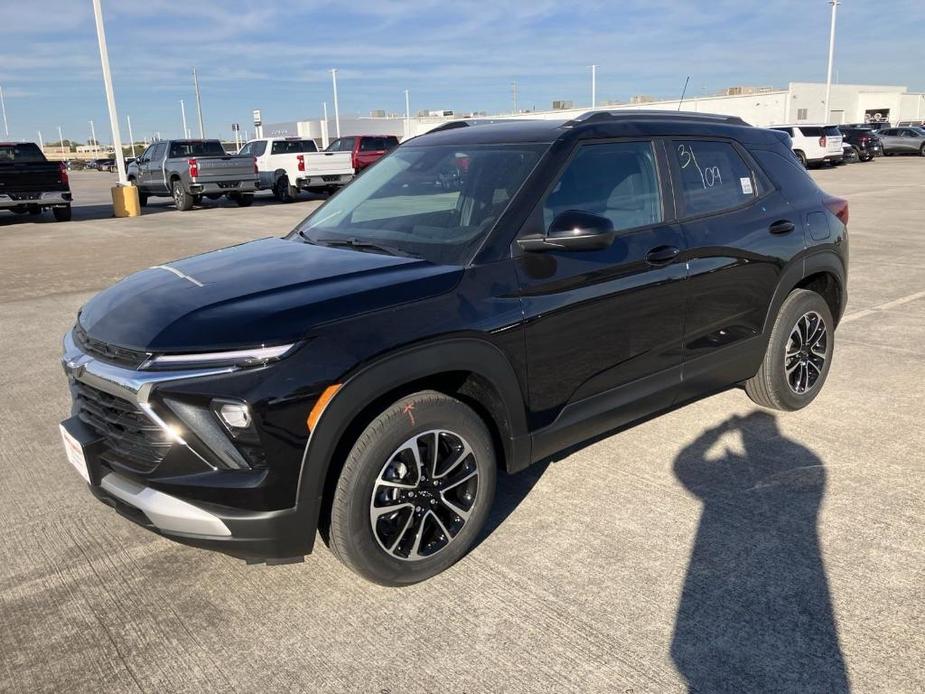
(257, 356)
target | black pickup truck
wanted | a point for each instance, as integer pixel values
(30, 183)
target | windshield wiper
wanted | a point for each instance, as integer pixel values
(364, 246)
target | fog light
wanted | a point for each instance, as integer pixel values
(235, 415)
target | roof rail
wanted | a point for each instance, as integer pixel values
(467, 122)
(650, 114)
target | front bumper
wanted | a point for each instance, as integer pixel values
(58, 197)
(200, 505)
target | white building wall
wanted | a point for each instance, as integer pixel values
(800, 102)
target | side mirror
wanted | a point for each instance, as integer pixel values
(572, 230)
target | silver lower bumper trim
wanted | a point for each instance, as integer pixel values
(165, 511)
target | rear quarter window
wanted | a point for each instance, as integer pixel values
(810, 131)
(713, 176)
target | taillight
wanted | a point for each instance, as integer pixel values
(822, 140)
(864, 139)
(62, 172)
(193, 165)
(301, 160)
(838, 207)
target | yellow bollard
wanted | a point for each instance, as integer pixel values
(125, 201)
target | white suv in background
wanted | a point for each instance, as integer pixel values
(814, 144)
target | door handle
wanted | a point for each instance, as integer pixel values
(782, 226)
(662, 255)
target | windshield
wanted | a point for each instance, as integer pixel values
(26, 151)
(202, 148)
(434, 202)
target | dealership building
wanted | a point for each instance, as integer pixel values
(800, 102)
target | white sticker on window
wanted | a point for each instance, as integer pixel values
(746, 186)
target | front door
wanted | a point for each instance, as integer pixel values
(603, 327)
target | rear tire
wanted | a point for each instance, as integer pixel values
(284, 192)
(181, 199)
(798, 355)
(922, 150)
(62, 214)
(244, 199)
(431, 458)
(802, 158)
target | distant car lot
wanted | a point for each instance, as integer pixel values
(603, 571)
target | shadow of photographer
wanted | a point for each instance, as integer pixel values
(755, 612)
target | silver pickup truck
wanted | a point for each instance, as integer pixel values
(188, 170)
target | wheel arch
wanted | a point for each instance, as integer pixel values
(822, 272)
(469, 369)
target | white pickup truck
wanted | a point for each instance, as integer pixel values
(287, 165)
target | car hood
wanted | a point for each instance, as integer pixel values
(270, 291)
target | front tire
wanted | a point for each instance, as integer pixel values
(415, 490)
(181, 199)
(798, 356)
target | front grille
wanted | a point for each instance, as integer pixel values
(129, 358)
(131, 438)
(24, 196)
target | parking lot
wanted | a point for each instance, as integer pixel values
(630, 565)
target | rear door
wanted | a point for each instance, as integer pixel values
(598, 321)
(911, 140)
(740, 231)
(371, 150)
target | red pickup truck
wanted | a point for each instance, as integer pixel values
(364, 149)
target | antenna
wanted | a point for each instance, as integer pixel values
(683, 92)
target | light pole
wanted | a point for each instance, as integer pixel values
(336, 111)
(131, 137)
(93, 135)
(183, 117)
(110, 97)
(6, 126)
(324, 130)
(41, 141)
(202, 132)
(514, 96)
(594, 86)
(407, 113)
(61, 141)
(828, 79)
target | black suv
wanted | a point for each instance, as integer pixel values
(863, 141)
(484, 297)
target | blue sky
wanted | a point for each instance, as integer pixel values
(460, 55)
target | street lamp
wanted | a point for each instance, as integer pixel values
(828, 79)
(6, 126)
(110, 97)
(202, 132)
(183, 118)
(336, 111)
(594, 86)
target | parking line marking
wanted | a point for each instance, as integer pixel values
(883, 307)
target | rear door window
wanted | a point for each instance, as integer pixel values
(713, 176)
(615, 180)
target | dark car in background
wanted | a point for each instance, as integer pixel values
(370, 373)
(29, 183)
(864, 141)
(365, 149)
